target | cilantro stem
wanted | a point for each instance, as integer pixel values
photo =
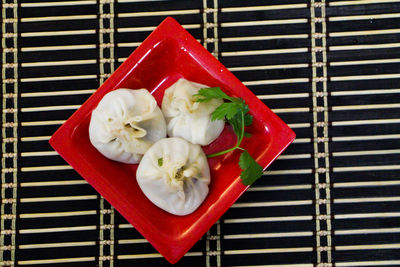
(221, 152)
(237, 146)
(234, 112)
(242, 134)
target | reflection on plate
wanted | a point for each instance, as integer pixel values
(168, 54)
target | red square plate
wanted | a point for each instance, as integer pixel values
(169, 53)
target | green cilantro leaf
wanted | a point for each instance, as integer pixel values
(241, 104)
(235, 111)
(236, 123)
(251, 169)
(248, 120)
(160, 162)
(246, 134)
(225, 110)
(206, 94)
(237, 128)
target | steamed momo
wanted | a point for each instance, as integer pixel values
(189, 119)
(125, 124)
(174, 175)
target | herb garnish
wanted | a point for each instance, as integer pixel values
(160, 162)
(235, 111)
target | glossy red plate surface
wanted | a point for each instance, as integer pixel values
(169, 53)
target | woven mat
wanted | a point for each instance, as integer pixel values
(330, 69)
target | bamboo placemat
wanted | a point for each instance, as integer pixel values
(330, 69)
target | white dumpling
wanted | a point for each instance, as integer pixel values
(125, 124)
(189, 119)
(174, 175)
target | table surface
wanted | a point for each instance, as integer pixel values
(330, 69)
